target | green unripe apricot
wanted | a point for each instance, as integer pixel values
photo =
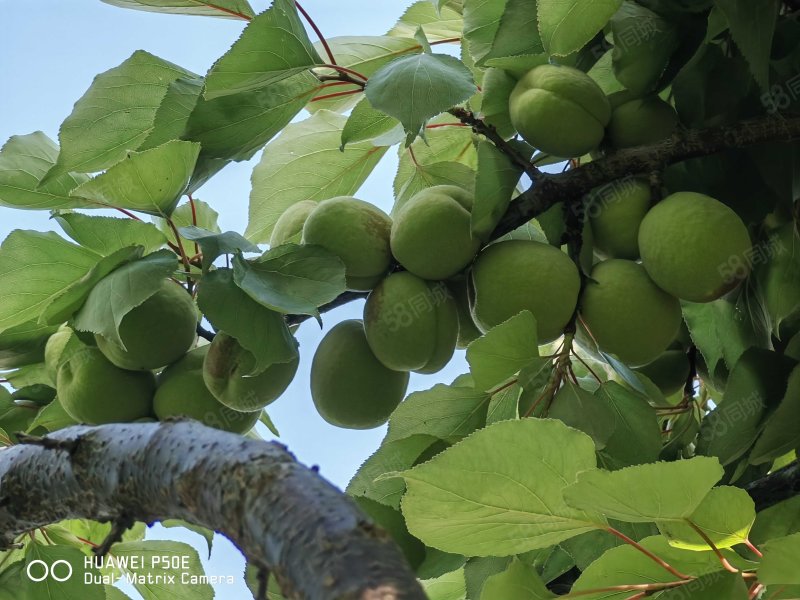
(350, 387)
(641, 121)
(431, 233)
(411, 324)
(467, 329)
(182, 392)
(92, 390)
(289, 226)
(355, 231)
(559, 110)
(156, 333)
(516, 275)
(694, 247)
(627, 314)
(669, 371)
(226, 370)
(60, 346)
(779, 274)
(615, 213)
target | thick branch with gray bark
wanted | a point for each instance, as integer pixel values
(283, 516)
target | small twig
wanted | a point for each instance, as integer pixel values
(263, 583)
(335, 303)
(490, 133)
(205, 333)
(118, 527)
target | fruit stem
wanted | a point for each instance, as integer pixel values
(316, 29)
(194, 219)
(186, 264)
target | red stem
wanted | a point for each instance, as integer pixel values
(413, 158)
(724, 561)
(229, 11)
(194, 220)
(435, 125)
(321, 37)
(648, 554)
(505, 386)
(336, 95)
(342, 69)
(753, 548)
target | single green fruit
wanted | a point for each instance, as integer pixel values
(411, 324)
(350, 387)
(182, 392)
(516, 275)
(627, 314)
(694, 247)
(559, 110)
(467, 329)
(93, 390)
(156, 333)
(431, 233)
(641, 121)
(59, 348)
(615, 212)
(226, 372)
(779, 273)
(289, 226)
(355, 231)
(669, 371)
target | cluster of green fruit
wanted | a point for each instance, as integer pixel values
(442, 296)
(563, 112)
(100, 380)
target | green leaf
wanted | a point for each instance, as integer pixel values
(503, 351)
(215, 245)
(579, 408)
(50, 263)
(24, 344)
(725, 516)
(273, 46)
(261, 331)
(716, 585)
(496, 88)
(173, 114)
(752, 26)
(309, 152)
(227, 9)
(122, 291)
(517, 66)
(440, 173)
(643, 45)
(756, 384)
(437, 25)
(115, 115)
(291, 279)
(106, 235)
(113, 593)
(603, 74)
(61, 306)
(202, 216)
(481, 22)
(366, 123)
(518, 31)
(391, 456)
(778, 520)
(504, 405)
(415, 88)
(479, 568)
(159, 589)
(495, 182)
(518, 581)
(236, 127)
(625, 565)
(565, 26)
(50, 589)
(206, 534)
(780, 433)
(24, 161)
(28, 375)
(13, 581)
(635, 435)
(151, 181)
(779, 565)
(476, 500)
(643, 493)
(588, 547)
(450, 586)
(52, 418)
(447, 412)
(534, 379)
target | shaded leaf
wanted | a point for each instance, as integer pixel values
(503, 350)
(215, 245)
(106, 235)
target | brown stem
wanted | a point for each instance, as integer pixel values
(648, 554)
(724, 561)
(316, 29)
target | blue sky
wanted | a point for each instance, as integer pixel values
(49, 52)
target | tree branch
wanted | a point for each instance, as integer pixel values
(775, 487)
(283, 516)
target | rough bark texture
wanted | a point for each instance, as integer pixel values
(282, 515)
